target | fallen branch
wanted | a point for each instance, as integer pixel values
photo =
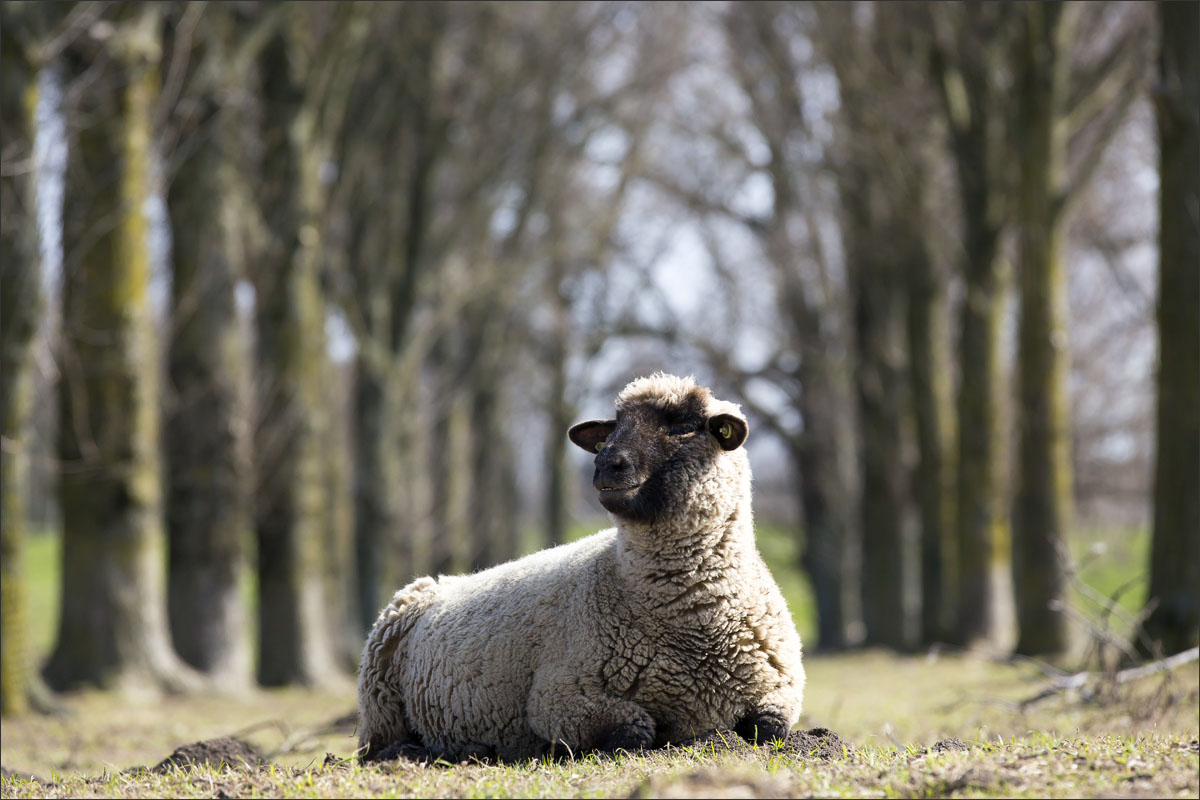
(1069, 683)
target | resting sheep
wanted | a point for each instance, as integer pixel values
(661, 629)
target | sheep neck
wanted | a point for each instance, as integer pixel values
(687, 560)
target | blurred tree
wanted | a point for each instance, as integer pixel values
(970, 45)
(808, 364)
(113, 629)
(1175, 551)
(882, 239)
(931, 387)
(388, 154)
(207, 467)
(1065, 119)
(24, 32)
(301, 66)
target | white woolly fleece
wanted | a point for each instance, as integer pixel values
(671, 630)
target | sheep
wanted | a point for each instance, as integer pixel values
(661, 629)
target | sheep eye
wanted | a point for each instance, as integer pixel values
(600, 445)
(726, 430)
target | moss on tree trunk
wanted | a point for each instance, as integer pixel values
(113, 629)
(1175, 551)
(20, 308)
(1042, 503)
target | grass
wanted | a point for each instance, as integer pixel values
(1142, 742)
(1136, 741)
(1044, 767)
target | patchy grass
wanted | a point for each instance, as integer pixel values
(1040, 766)
(1141, 742)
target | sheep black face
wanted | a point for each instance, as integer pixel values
(648, 457)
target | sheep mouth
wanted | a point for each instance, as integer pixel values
(611, 490)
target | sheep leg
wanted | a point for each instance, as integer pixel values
(762, 725)
(581, 718)
(771, 717)
(381, 718)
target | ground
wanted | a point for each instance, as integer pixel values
(935, 724)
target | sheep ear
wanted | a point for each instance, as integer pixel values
(592, 434)
(729, 430)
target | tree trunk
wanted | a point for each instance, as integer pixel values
(20, 309)
(929, 373)
(293, 640)
(1175, 552)
(1041, 509)
(208, 502)
(338, 568)
(441, 470)
(822, 457)
(376, 477)
(484, 516)
(113, 630)
(879, 385)
(560, 418)
(980, 526)
(966, 48)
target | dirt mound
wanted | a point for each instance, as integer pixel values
(217, 752)
(819, 743)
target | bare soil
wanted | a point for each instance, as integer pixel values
(223, 752)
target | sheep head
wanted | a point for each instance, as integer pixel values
(668, 436)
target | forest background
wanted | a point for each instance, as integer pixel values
(299, 301)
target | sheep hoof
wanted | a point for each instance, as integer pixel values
(763, 726)
(624, 736)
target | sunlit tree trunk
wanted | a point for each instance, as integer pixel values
(291, 513)
(968, 45)
(1175, 552)
(21, 307)
(1042, 504)
(980, 523)
(208, 501)
(113, 629)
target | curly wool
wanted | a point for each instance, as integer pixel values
(661, 631)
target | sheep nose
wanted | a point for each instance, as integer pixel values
(611, 459)
(613, 470)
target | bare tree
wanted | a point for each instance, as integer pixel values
(1066, 118)
(113, 629)
(25, 32)
(762, 42)
(300, 67)
(1175, 556)
(969, 50)
(209, 519)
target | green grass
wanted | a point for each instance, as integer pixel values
(1141, 741)
(1114, 561)
(1135, 740)
(1041, 767)
(42, 559)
